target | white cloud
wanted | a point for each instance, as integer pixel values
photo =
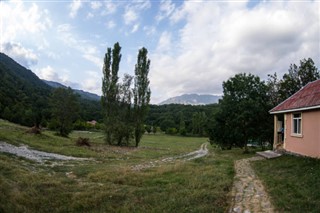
(130, 16)
(21, 20)
(95, 60)
(228, 38)
(86, 49)
(92, 83)
(164, 43)
(133, 10)
(49, 74)
(74, 7)
(135, 28)
(96, 5)
(111, 24)
(109, 8)
(166, 9)
(150, 30)
(90, 15)
(25, 57)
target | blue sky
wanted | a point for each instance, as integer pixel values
(193, 45)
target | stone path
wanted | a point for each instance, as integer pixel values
(248, 192)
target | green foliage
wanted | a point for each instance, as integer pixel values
(199, 122)
(148, 128)
(141, 92)
(171, 131)
(180, 116)
(242, 109)
(297, 77)
(110, 91)
(23, 96)
(65, 108)
(122, 121)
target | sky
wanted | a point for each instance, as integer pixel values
(193, 45)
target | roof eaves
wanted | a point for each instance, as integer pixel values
(295, 110)
(274, 112)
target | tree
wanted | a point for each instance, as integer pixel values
(182, 125)
(110, 90)
(141, 93)
(273, 85)
(297, 77)
(124, 123)
(65, 108)
(199, 120)
(243, 113)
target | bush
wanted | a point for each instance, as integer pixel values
(83, 142)
(171, 131)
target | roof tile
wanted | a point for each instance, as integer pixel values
(308, 96)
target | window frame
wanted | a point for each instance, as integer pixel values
(296, 124)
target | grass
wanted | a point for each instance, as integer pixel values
(108, 184)
(292, 182)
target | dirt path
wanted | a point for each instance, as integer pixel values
(248, 192)
(203, 151)
(39, 156)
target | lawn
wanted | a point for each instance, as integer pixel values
(292, 182)
(108, 183)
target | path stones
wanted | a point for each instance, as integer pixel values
(248, 192)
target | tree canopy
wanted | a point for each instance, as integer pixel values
(243, 112)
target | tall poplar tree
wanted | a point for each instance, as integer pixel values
(141, 93)
(110, 90)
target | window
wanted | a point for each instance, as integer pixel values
(296, 120)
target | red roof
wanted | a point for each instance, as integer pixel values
(306, 98)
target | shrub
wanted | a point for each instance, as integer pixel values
(83, 142)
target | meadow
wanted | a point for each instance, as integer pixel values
(108, 182)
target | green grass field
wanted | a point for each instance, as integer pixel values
(292, 182)
(107, 183)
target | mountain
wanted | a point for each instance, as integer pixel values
(25, 98)
(192, 99)
(83, 94)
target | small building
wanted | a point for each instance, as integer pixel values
(297, 122)
(93, 122)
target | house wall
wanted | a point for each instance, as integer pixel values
(308, 143)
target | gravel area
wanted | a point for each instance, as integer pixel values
(39, 156)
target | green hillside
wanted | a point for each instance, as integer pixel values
(24, 98)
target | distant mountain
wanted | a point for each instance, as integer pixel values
(192, 99)
(83, 94)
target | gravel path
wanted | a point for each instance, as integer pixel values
(248, 192)
(39, 156)
(203, 151)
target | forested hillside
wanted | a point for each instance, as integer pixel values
(23, 96)
(25, 99)
(183, 119)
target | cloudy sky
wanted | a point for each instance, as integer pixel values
(193, 45)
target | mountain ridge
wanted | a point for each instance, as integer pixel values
(82, 93)
(192, 99)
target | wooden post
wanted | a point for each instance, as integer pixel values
(275, 132)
